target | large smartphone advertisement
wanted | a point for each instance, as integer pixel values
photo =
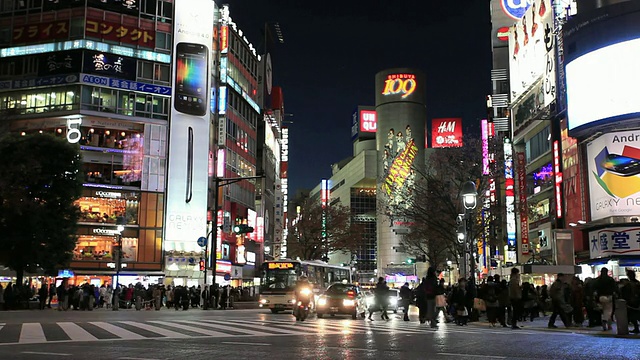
(186, 213)
(614, 175)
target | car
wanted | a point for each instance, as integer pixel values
(342, 299)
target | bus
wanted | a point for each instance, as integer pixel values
(279, 279)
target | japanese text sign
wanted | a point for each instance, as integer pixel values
(614, 241)
(107, 30)
(40, 32)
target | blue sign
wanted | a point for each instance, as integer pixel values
(515, 8)
(65, 273)
(202, 241)
(227, 277)
(40, 81)
(125, 84)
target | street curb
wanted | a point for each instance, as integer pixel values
(569, 330)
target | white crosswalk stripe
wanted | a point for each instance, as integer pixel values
(30, 333)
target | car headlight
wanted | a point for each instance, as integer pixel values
(322, 302)
(347, 302)
(264, 301)
(305, 292)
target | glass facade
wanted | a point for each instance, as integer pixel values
(363, 211)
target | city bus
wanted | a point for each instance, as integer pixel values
(279, 279)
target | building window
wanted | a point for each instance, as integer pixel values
(98, 206)
(100, 248)
(163, 40)
(125, 103)
(40, 100)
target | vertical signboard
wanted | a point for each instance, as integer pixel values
(484, 128)
(522, 203)
(186, 210)
(510, 202)
(557, 174)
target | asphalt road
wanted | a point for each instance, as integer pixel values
(254, 334)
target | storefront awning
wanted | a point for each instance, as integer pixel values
(624, 261)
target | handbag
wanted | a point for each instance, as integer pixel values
(479, 304)
(462, 312)
(441, 301)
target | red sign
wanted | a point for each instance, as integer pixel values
(522, 196)
(446, 133)
(558, 178)
(404, 84)
(107, 30)
(224, 38)
(503, 33)
(41, 32)
(368, 122)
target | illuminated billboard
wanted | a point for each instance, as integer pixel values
(614, 174)
(484, 129)
(603, 84)
(509, 192)
(187, 187)
(446, 132)
(532, 52)
(364, 123)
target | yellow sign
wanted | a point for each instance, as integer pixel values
(281, 266)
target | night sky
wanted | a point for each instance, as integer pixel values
(333, 49)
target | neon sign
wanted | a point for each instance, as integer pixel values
(368, 121)
(558, 176)
(404, 84)
(281, 266)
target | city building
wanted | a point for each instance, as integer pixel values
(98, 74)
(353, 185)
(600, 45)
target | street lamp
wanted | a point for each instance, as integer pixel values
(449, 263)
(469, 200)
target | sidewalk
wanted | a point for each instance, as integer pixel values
(541, 324)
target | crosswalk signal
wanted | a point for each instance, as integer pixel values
(411, 261)
(202, 264)
(242, 229)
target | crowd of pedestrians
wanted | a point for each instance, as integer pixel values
(505, 303)
(89, 297)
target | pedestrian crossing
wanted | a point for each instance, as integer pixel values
(34, 333)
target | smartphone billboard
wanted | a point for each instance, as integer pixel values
(186, 211)
(614, 175)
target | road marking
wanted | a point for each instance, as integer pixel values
(191, 328)
(118, 331)
(266, 328)
(136, 358)
(472, 355)
(214, 324)
(45, 353)
(31, 333)
(244, 343)
(75, 332)
(155, 329)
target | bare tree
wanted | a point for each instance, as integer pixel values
(435, 202)
(318, 232)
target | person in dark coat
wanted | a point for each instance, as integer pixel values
(42, 295)
(381, 295)
(405, 297)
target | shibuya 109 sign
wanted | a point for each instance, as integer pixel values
(399, 84)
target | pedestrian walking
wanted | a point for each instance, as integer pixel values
(459, 301)
(558, 302)
(515, 297)
(491, 300)
(606, 288)
(381, 296)
(405, 300)
(42, 295)
(52, 293)
(630, 292)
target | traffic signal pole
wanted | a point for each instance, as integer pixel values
(213, 257)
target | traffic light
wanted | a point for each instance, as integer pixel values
(202, 264)
(242, 229)
(411, 261)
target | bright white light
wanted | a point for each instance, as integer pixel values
(603, 83)
(120, 228)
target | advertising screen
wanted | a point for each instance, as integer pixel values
(188, 170)
(602, 84)
(614, 174)
(446, 133)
